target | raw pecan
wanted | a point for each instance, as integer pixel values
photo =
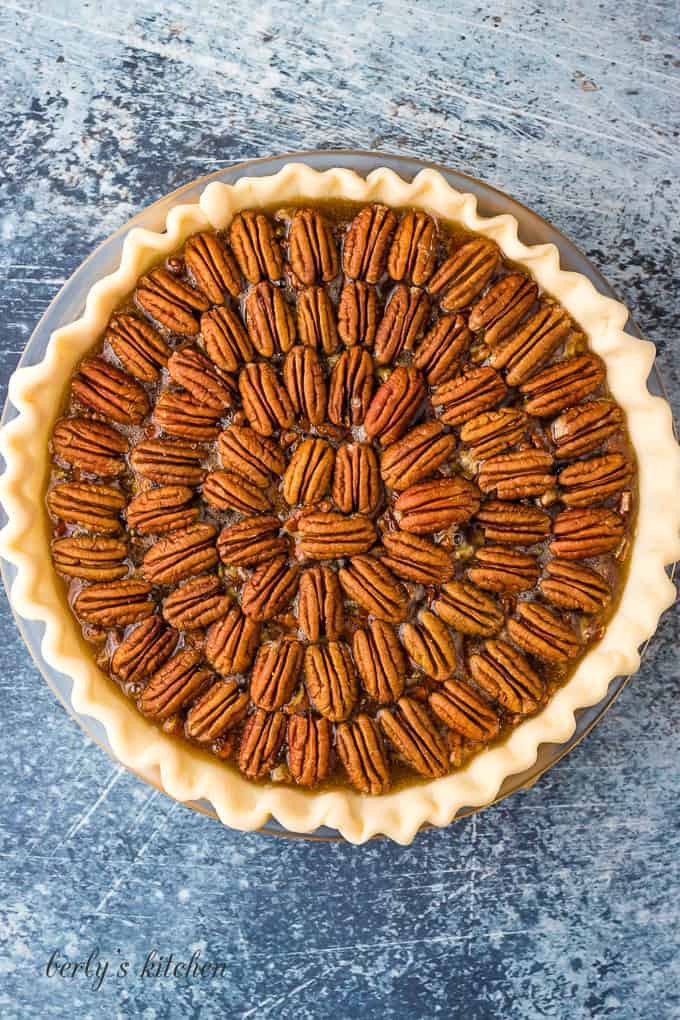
(89, 445)
(558, 386)
(91, 557)
(430, 646)
(110, 392)
(226, 491)
(271, 587)
(542, 633)
(198, 375)
(270, 321)
(413, 253)
(308, 475)
(468, 394)
(139, 348)
(439, 353)
(174, 685)
(276, 673)
(574, 587)
(532, 344)
(115, 605)
(593, 481)
(250, 456)
(93, 507)
(468, 610)
(517, 475)
(331, 680)
(304, 378)
(435, 505)
(163, 509)
(231, 643)
(226, 341)
(178, 414)
(580, 534)
(409, 728)
(418, 454)
(512, 524)
(380, 661)
(372, 585)
(583, 428)
(320, 608)
(505, 303)
(416, 559)
(261, 742)
(506, 676)
(357, 314)
(463, 711)
(364, 252)
(265, 401)
(221, 708)
(497, 568)
(257, 251)
(395, 405)
(143, 650)
(316, 320)
(166, 461)
(361, 751)
(329, 535)
(351, 387)
(356, 479)
(196, 604)
(311, 248)
(212, 267)
(181, 554)
(171, 302)
(494, 432)
(251, 540)
(404, 319)
(464, 274)
(309, 748)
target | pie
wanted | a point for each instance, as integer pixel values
(345, 493)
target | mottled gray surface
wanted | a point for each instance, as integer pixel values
(562, 902)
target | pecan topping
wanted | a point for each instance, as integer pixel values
(329, 535)
(309, 746)
(373, 586)
(505, 303)
(542, 633)
(395, 405)
(265, 401)
(416, 559)
(430, 646)
(468, 394)
(580, 534)
(404, 319)
(468, 610)
(435, 505)
(357, 314)
(249, 455)
(222, 706)
(331, 680)
(505, 675)
(593, 481)
(164, 461)
(510, 524)
(156, 511)
(251, 540)
(271, 587)
(276, 673)
(143, 650)
(465, 712)
(320, 608)
(532, 344)
(418, 454)
(198, 375)
(364, 253)
(517, 475)
(304, 378)
(316, 320)
(178, 414)
(170, 301)
(311, 248)
(212, 267)
(261, 742)
(138, 347)
(196, 604)
(91, 557)
(256, 249)
(439, 353)
(380, 661)
(497, 568)
(90, 446)
(308, 475)
(361, 751)
(583, 428)
(409, 728)
(464, 275)
(110, 392)
(571, 586)
(560, 385)
(414, 249)
(226, 491)
(351, 387)
(226, 342)
(93, 507)
(356, 479)
(174, 685)
(270, 321)
(181, 554)
(115, 605)
(231, 643)
(494, 432)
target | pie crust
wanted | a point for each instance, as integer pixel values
(186, 772)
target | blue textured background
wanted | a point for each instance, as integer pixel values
(562, 902)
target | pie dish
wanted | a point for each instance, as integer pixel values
(458, 355)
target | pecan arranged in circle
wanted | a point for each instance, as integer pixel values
(224, 490)
(351, 387)
(394, 405)
(403, 322)
(356, 479)
(532, 345)
(410, 730)
(178, 414)
(517, 475)
(416, 455)
(256, 249)
(143, 650)
(380, 661)
(270, 588)
(563, 384)
(251, 540)
(357, 314)
(542, 633)
(430, 646)
(584, 428)
(373, 586)
(232, 642)
(266, 403)
(416, 559)
(468, 394)
(497, 568)
(438, 355)
(308, 475)
(505, 304)
(263, 735)
(198, 375)
(212, 267)
(90, 445)
(330, 679)
(505, 675)
(164, 461)
(181, 554)
(360, 748)
(166, 508)
(588, 482)
(364, 254)
(271, 326)
(140, 349)
(316, 320)
(464, 275)
(580, 534)
(463, 711)
(433, 506)
(94, 507)
(304, 379)
(92, 557)
(115, 604)
(414, 249)
(171, 302)
(572, 586)
(325, 535)
(174, 685)
(221, 708)
(277, 670)
(196, 604)
(513, 523)
(250, 456)
(227, 343)
(493, 432)
(311, 248)
(468, 610)
(309, 749)
(320, 608)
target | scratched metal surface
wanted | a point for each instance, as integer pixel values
(564, 900)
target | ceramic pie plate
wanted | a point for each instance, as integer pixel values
(61, 339)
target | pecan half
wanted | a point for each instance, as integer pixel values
(542, 633)
(439, 353)
(372, 585)
(416, 559)
(513, 524)
(171, 302)
(276, 673)
(357, 314)
(433, 506)
(257, 251)
(221, 708)
(115, 605)
(517, 475)
(308, 475)
(430, 646)
(178, 414)
(226, 491)
(198, 375)
(583, 428)
(174, 685)
(226, 342)
(463, 711)
(143, 650)
(416, 455)
(265, 401)
(468, 610)
(351, 387)
(403, 322)
(271, 587)
(303, 377)
(505, 303)
(497, 568)
(532, 344)
(91, 557)
(380, 661)
(329, 535)
(251, 540)
(413, 253)
(181, 554)
(196, 604)
(593, 481)
(261, 742)
(309, 748)
(320, 608)
(571, 586)
(250, 456)
(212, 267)
(558, 386)
(316, 320)
(468, 394)
(365, 248)
(506, 676)
(356, 479)
(89, 445)
(331, 680)
(270, 321)
(580, 534)
(464, 274)
(395, 405)
(409, 729)
(493, 432)
(164, 461)
(361, 751)
(138, 347)
(166, 508)
(232, 642)
(93, 507)
(311, 248)
(110, 392)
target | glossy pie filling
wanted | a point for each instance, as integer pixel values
(340, 496)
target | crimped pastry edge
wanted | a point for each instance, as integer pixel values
(186, 773)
